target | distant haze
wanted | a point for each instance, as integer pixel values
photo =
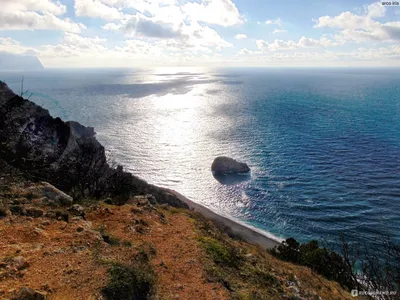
(14, 62)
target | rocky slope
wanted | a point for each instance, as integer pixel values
(66, 154)
(95, 250)
(72, 227)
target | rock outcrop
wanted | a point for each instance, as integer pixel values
(65, 154)
(224, 165)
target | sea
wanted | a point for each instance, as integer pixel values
(323, 145)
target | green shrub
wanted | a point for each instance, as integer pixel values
(134, 282)
(221, 253)
(320, 259)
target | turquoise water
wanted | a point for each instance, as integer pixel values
(323, 144)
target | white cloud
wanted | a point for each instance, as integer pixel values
(279, 31)
(182, 26)
(141, 26)
(303, 42)
(362, 28)
(274, 22)
(11, 46)
(180, 34)
(240, 36)
(375, 10)
(96, 9)
(31, 15)
(385, 56)
(74, 45)
(245, 51)
(218, 12)
(55, 8)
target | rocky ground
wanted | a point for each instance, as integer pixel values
(52, 248)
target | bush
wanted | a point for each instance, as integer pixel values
(221, 253)
(134, 282)
(321, 260)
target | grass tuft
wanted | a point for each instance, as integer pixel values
(135, 281)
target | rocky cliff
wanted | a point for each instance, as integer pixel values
(66, 154)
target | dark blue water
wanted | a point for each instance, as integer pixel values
(323, 145)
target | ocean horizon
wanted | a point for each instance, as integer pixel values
(323, 144)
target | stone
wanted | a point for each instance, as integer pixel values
(294, 289)
(108, 201)
(39, 231)
(27, 293)
(51, 214)
(64, 216)
(77, 210)
(143, 201)
(46, 223)
(54, 195)
(20, 263)
(224, 165)
(4, 212)
(34, 212)
(18, 210)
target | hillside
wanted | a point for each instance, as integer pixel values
(96, 249)
(73, 227)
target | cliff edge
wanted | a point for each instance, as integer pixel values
(65, 154)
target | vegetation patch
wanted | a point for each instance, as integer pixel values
(108, 238)
(221, 253)
(245, 276)
(320, 259)
(135, 281)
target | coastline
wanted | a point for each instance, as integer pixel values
(232, 227)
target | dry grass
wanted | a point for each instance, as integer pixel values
(169, 253)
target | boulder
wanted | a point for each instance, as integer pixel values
(224, 165)
(27, 293)
(50, 194)
(76, 210)
(20, 263)
(34, 212)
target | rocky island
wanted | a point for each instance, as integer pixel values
(73, 227)
(223, 165)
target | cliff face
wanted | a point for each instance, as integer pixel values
(66, 154)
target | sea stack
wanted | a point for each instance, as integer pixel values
(224, 165)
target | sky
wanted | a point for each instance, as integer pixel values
(140, 33)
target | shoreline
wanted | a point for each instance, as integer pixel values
(233, 227)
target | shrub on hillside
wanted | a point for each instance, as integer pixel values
(322, 260)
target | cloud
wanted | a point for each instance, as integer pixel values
(142, 26)
(96, 9)
(48, 6)
(175, 26)
(218, 12)
(74, 45)
(11, 46)
(375, 10)
(385, 56)
(245, 51)
(303, 42)
(31, 15)
(279, 31)
(240, 36)
(274, 22)
(362, 28)
(180, 35)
